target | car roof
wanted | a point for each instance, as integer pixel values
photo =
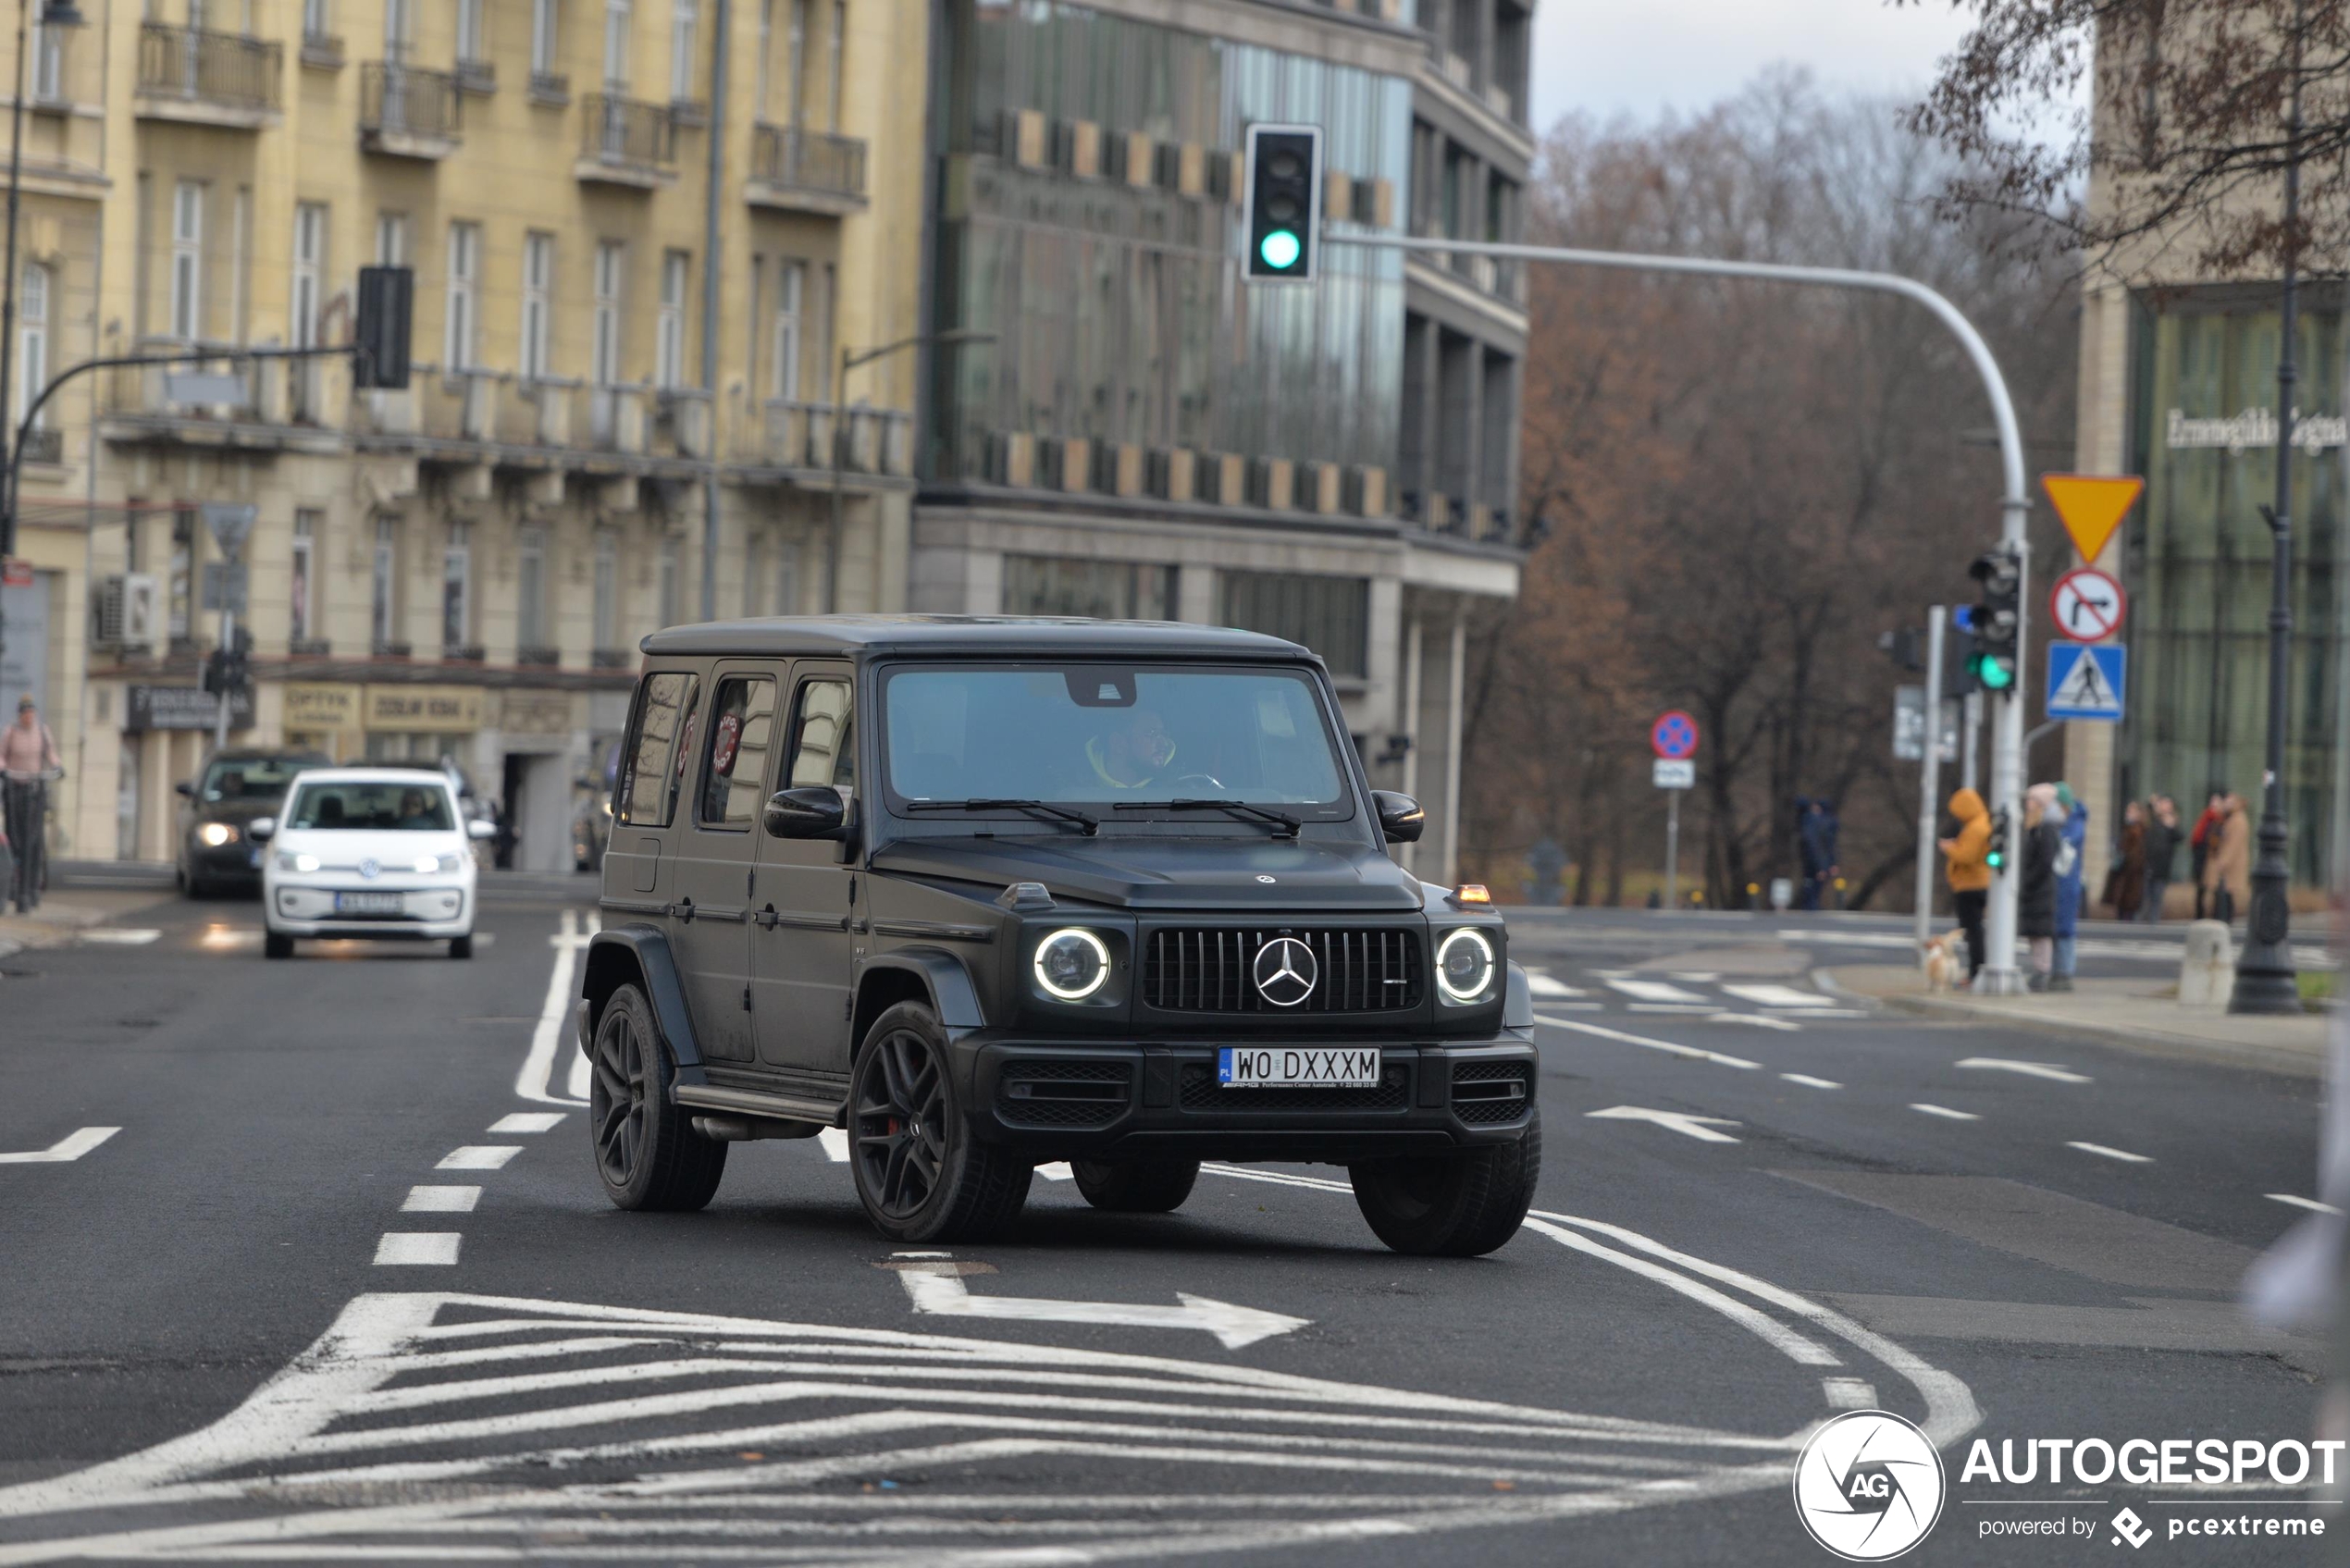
(266, 754)
(375, 775)
(1053, 636)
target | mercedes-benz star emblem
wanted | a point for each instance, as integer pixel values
(368, 869)
(1284, 971)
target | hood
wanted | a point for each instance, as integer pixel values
(1169, 871)
(1967, 806)
(240, 809)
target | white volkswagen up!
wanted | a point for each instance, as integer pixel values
(369, 853)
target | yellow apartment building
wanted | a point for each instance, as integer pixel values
(463, 568)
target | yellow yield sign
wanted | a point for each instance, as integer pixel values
(2092, 506)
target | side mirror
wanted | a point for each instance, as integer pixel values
(810, 811)
(1400, 817)
(477, 827)
(261, 830)
(185, 788)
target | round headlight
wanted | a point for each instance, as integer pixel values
(214, 834)
(1071, 964)
(1465, 965)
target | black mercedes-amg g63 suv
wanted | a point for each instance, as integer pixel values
(986, 893)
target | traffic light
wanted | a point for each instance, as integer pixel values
(1996, 856)
(1957, 659)
(379, 336)
(1993, 623)
(1284, 201)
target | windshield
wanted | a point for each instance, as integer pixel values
(253, 778)
(416, 808)
(1109, 735)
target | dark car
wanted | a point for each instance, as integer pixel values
(990, 892)
(218, 853)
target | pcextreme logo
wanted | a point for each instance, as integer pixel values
(1868, 1486)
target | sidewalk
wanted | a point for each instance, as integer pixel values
(61, 915)
(2136, 1011)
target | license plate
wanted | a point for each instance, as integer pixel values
(1287, 1067)
(369, 903)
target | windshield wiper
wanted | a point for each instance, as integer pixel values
(1091, 824)
(1282, 820)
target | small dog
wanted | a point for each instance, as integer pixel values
(1944, 959)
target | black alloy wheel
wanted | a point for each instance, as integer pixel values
(919, 1173)
(647, 1151)
(1451, 1206)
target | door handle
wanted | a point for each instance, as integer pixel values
(767, 919)
(683, 910)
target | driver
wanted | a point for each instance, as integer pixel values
(1134, 753)
(414, 811)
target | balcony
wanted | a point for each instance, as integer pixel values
(624, 142)
(808, 171)
(322, 51)
(407, 113)
(45, 444)
(550, 90)
(875, 442)
(190, 76)
(229, 403)
(477, 77)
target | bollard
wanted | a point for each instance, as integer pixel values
(2207, 970)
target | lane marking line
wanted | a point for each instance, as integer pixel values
(537, 1079)
(440, 1200)
(118, 936)
(1669, 1047)
(1543, 986)
(1760, 1020)
(1777, 995)
(402, 1248)
(72, 1146)
(2055, 1072)
(1697, 1126)
(2300, 1202)
(835, 1144)
(1699, 977)
(478, 1156)
(1945, 1112)
(1808, 1081)
(2108, 1153)
(1761, 1325)
(527, 1121)
(1668, 1007)
(1849, 1393)
(1057, 1172)
(1652, 991)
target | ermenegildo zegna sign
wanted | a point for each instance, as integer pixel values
(181, 708)
(2253, 428)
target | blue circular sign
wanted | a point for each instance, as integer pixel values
(1674, 737)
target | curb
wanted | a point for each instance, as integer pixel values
(2290, 1061)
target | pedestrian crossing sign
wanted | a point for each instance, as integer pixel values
(2086, 680)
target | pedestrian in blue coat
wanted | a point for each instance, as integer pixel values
(2075, 834)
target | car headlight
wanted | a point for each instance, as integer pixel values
(214, 834)
(437, 863)
(297, 862)
(1071, 964)
(1464, 965)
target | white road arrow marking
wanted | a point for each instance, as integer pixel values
(72, 1146)
(945, 1294)
(2053, 1071)
(1678, 1121)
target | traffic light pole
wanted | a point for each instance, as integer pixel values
(2000, 975)
(1930, 770)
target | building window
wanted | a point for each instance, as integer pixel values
(301, 585)
(187, 260)
(610, 257)
(766, 50)
(790, 278)
(48, 53)
(397, 30)
(831, 67)
(309, 267)
(787, 577)
(392, 239)
(796, 44)
(465, 259)
(669, 343)
(471, 48)
(670, 583)
(617, 19)
(315, 22)
(607, 588)
(530, 590)
(383, 584)
(544, 14)
(32, 339)
(1106, 590)
(537, 302)
(682, 23)
(456, 586)
(1331, 615)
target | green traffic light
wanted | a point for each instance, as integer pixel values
(1279, 249)
(1994, 860)
(1994, 672)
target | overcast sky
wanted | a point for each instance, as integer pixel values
(1637, 56)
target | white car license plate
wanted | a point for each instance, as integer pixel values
(1290, 1067)
(369, 903)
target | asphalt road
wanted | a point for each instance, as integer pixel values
(1761, 1204)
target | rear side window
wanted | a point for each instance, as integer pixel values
(822, 752)
(647, 787)
(742, 731)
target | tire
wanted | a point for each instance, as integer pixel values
(648, 1155)
(1455, 1205)
(1136, 1186)
(277, 944)
(920, 1174)
(462, 947)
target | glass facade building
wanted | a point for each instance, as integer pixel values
(2197, 557)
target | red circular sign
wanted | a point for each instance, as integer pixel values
(2087, 605)
(1674, 737)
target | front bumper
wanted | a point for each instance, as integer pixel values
(1057, 1100)
(224, 864)
(429, 912)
